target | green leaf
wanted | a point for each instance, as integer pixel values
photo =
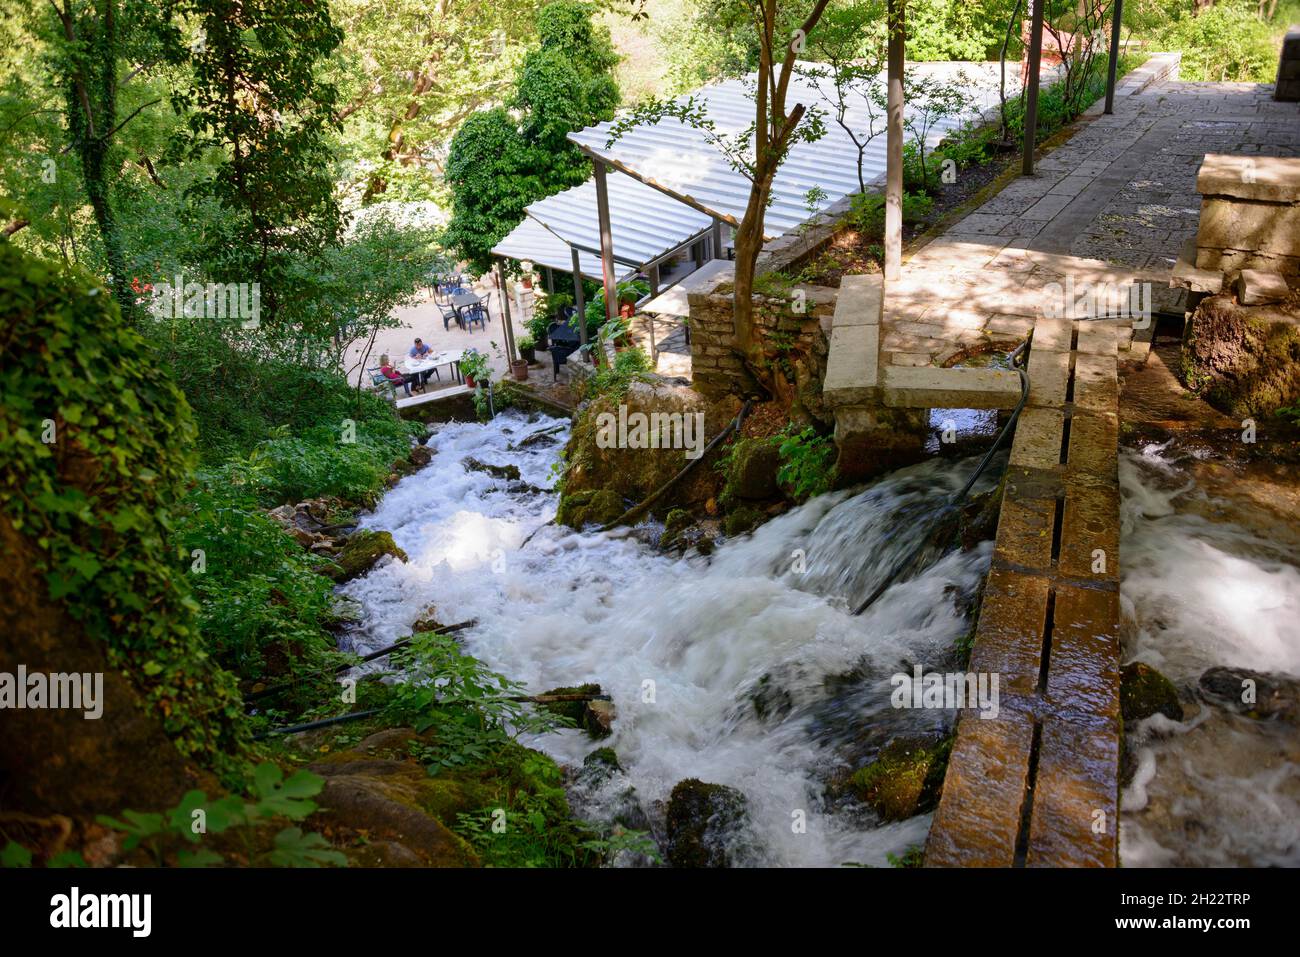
(15, 855)
(293, 848)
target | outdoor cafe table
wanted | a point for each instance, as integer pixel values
(463, 299)
(450, 359)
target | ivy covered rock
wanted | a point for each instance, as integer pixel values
(1143, 691)
(95, 453)
(705, 824)
(677, 521)
(362, 552)
(595, 715)
(905, 779)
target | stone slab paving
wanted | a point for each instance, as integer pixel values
(1117, 201)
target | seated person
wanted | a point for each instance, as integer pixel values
(396, 378)
(421, 351)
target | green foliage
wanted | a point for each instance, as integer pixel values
(95, 497)
(475, 365)
(502, 159)
(914, 856)
(953, 30)
(867, 211)
(273, 796)
(1226, 41)
(273, 187)
(807, 462)
(614, 379)
(547, 312)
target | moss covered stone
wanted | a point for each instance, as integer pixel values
(579, 509)
(751, 471)
(678, 521)
(1243, 360)
(905, 779)
(703, 821)
(1143, 691)
(602, 758)
(360, 553)
(741, 520)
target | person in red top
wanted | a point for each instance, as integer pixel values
(396, 378)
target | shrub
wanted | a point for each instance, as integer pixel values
(1225, 42)
(807, 462)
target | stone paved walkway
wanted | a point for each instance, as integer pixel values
(1116, 202)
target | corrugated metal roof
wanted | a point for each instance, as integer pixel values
(680, 161)
(644, 225)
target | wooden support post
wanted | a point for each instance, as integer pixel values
(579, 300)
(1031, 92)
(894, 142)
(698, 251)
(606, 249)
(652, 272)
(1116, 20)
(719, 250)
(550, 280)
(511, 355)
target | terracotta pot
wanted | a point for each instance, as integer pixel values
(528, 282)
(520, 369)
(469, 381)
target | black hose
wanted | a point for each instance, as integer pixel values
(908, 562)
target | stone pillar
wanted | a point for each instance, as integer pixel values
(1250, 214)
(1287, 88)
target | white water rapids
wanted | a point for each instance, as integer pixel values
(1217, 789)
(572, 608)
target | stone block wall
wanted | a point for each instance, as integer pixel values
(1250, 214)
(795, 345)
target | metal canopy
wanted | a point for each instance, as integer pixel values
(678, 160)
(646, 226)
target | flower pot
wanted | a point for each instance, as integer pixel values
(529, 355)
(528, 282)
(543, 342)
(520, 369)
(469, 381)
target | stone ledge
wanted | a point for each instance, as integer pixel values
(959, 388)
(1270, 179)
(853, 366)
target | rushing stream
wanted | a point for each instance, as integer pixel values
(686, 646)
(1207, 582)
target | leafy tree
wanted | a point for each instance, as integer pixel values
(498, 164)
(256, 100)
(850, 59)
(410, 72)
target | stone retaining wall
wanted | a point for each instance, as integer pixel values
(1250, 214)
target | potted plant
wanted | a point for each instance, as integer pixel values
(474, 366)
(519, 368)
(528, 347)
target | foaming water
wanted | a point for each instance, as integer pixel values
(694, 650)
(1216, 789)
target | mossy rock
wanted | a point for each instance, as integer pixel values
(593, 507)
(905, 779)
(1143, 691)
(751, 471)
(360, 554)
(603, 757)
(1242, 360)
(702, 822)
(740, 521)
(677, 521)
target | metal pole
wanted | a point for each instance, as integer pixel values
(505, 311)
(894, 142)
(579, 300)
(1116, 19)
(1031, 95)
